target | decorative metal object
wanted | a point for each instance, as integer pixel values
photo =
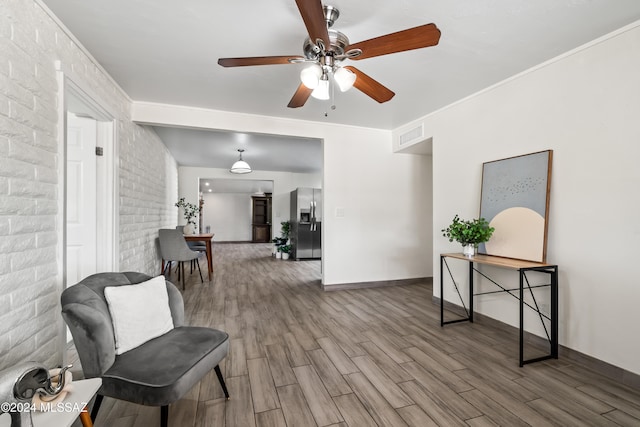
(20, 383)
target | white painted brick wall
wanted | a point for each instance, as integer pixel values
(30, 43)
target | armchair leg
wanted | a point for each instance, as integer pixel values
(164, 416)
(221, 379)
(96, 407)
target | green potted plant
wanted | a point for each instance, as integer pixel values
(275, 241)
(468, 233)
(277, 244)
(286, 250)
(286, 228)
(190, 211)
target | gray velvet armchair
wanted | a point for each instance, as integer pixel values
(158, 372)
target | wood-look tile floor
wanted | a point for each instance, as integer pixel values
(375, 357)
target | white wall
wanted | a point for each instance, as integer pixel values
(30, 191)
(385, 231)
(229, 215)
(585, 106)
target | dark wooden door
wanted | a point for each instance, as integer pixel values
(261, 219)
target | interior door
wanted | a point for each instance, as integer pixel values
(81, 198)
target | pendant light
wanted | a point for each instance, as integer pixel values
(240, 166)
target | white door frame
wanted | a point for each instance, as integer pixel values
(74, 94)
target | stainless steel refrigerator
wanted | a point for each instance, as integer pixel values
(306, 223)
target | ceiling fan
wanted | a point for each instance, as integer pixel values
(326, 48)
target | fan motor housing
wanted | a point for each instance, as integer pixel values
(337, 40)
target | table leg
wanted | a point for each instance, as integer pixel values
(554, 313)
(521, 298)
(209, 258)
(441, 292)
(85, 418)
(471, 291)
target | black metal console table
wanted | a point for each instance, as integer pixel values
(522, 267)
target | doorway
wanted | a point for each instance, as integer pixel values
(261, 218)
(227, 208)
(88, 231)
(89, 185)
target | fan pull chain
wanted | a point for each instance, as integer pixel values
(333, 94)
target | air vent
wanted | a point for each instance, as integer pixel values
(412, 136)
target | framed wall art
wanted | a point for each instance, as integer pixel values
(515, 201)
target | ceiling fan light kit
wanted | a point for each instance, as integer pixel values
(326, 48)
(311, 75)
(240, 166)
(344, 78)
(322, 90)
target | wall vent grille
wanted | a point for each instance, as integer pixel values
(414, 135)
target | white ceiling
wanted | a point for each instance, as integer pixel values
(218, 149)
(166, 51)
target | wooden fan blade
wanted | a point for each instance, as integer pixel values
(413, 38)
(257, 60)
(370, 87)
(313, 17)
(300, 97)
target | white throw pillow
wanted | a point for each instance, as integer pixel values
(139, 312)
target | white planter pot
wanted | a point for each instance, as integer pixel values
(278, 255)
(469, 250)
(285, 255)
(188, 229)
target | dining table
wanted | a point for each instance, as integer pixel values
(207, 238)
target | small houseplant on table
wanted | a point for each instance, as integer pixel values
(191, 211)
(468, 233)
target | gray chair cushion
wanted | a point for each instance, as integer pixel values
(163, 369)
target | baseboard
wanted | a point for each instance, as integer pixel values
(598, 366)
(378, 284)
